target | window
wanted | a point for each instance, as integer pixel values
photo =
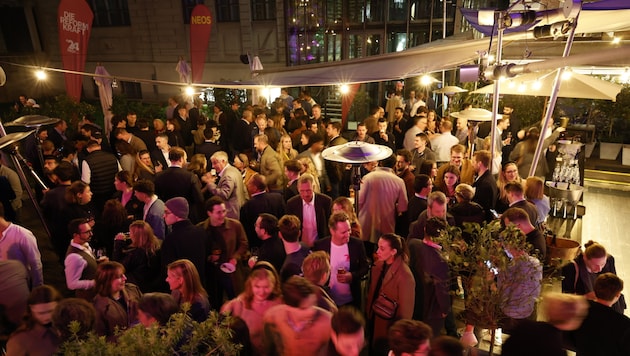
(15, 32)
(132, 90)
(263, 10)
(187, 8)
(227, 11)
(110, 13)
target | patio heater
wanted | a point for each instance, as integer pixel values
(356, 153)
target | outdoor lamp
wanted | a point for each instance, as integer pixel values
(40, 74)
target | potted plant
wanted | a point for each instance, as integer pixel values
(478, 258)
(181, 336)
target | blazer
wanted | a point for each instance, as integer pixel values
(486, 193)
(267, 202)
(179, 182)
(271, 168)
(323, 207)
(158, 159)
(359, 265)
(231, 189)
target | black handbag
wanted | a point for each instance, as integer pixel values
(385, 307)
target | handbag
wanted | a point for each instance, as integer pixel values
(385, 307)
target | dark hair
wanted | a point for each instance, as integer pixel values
(1, 210)
(159, 306)
(259, 181)
(290, 228)
(348, 320)
(293, 165)
(269, 223)
(514, 187)
(106, 273)
(144, 186)
(336, 125)
(125, 177)
(515, 215)
(315, 138)
(74, 309)
(397, 242)
(405, 154)
(215, 200)
(593, 249)
(445, 345)
(388, 162)
(426, 167)
(176, 153)
(73, 225)
(607, 286)
(296, 289)
(434, 226)
(64, 171)
(405, 336)
(483, 157)
(74, 189)
(420, 182)
(39, 295)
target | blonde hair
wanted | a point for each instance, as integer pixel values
(142, 236)
(191, 287)
(315, 266)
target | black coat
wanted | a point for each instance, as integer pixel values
(271, 203)
(359, 265)
(323, 206)
(185, 241)
(179, 182)
(486, 193)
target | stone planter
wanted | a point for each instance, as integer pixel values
(625, 155)
(608, 150)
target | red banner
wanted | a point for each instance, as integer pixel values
(200, 26)
(75, 22)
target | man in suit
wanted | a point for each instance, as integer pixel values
(241, 140)
(260, 202)
(271, 248)
(230, 186)
(153, 212)
(178, 182)
(348, 261)
(269, 165)
(209, 145)
(159, 156)
(436, 208)
(313, 209)
(422, 186)
(136, 143)
(335, 170)
(292, 169)
(516, 197)
(485, 186)
(383, 136)
(314, 153)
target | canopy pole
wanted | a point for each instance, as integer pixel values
(495, 94)
(552, 100)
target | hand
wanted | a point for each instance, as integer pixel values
(232, 261)
(119, 236)
(384, 136)
(158, 168)
(213, 258)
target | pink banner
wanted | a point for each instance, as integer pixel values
(75, 22)
(200, 26)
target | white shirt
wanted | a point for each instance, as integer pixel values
(309, 223)
(339, 258)
(441, 144)
(74, 266)
(18, 243)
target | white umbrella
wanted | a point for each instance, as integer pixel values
(105, 94)
(577, 85)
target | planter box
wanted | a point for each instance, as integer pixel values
(588, 149)
(609, 150)
(625, 155)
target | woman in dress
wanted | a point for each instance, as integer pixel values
(392, 277)
(262, 291)
(116, 301)
(139, 254)
(37, 325)
(185, 285)
(449, 182)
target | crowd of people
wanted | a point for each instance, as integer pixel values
(240, 213)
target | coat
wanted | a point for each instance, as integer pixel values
(271, 168)
(178, 182)
(398, 284)
(231, 189)
(110, 314)
(323, 207)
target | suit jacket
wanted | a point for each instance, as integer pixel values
(207, 149)
(415, 207)
(323, 206)
(529, 208)
(271, 168)
(137, 143)
(486, 193)
(158, 158)
(290, 191)
(271, 203)
(335, 170)
(178, 182)
(241, 136)
(359, 265)
(416, 229)
(231, 189)
(603, 332)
